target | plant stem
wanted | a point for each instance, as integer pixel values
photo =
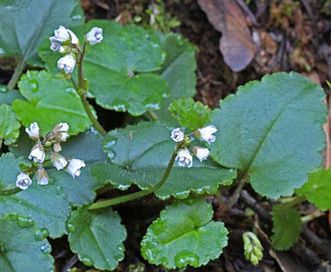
(236, 193)
(126, 198)
(17, 74)
(81, 90)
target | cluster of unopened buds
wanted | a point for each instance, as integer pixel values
(184, 156)
(48, 149)
(67, 43)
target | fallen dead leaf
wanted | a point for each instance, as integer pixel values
(236, 42)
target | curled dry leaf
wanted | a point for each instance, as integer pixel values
(236, 43)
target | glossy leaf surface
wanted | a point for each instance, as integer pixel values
(51, 100)
(97, 237)
(9, 126)
(17, 238)
(318, 189)
(272, 131)
(27, 23)
(146, 165)
(184, 235)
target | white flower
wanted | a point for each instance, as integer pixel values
(33, 131)
(37, 153)
(60, 132)
(23, 181)
(73, 37)
(184, 158)
(201, 153)
(42, 176)
(74, 166)
(67, 63)
(206, 134)
(177, 135)
(59, 162)
(61, 34)
(55, 44)
(94, 36)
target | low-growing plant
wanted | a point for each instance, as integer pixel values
(62, 171)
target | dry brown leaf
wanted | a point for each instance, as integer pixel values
(236, 43)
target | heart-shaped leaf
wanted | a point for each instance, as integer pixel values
(17, 238)
(97, 237)
(184, 235)
(272, 131)
(146, 165)
(51, 100)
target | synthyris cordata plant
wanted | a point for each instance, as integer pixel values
(268, 134)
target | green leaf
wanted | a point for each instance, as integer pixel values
(9, 126)
(50, 101)
(87, 147)
(318, 189)
(21, 250)
(97, 237)
(46, 205)
(26, 24)
(287, 227)
(272, 131)
(190, 114)
(184, 235)
(146, 165)
(119, 68)
(178, 70)
(8, 96)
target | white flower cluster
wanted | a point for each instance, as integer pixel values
(184, 156)
(67, 43)
(50, 145)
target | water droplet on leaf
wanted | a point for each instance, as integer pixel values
(46, 248)
(70, 227)
(87, 260)
(25, 222)
(34, 85)
(41, 234)
(185, 258)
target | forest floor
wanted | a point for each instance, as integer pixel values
(258, 38)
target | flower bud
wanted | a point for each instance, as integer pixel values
(201, 153)
(33, 131)
(67, 63)
(61, 34)
(177, 135)
(42, 176)
(58, 161)
(23, 181)
(94, 36)
(74, 167)
(206, 134)
(37, 153)
(252, 248)
(184, 158)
